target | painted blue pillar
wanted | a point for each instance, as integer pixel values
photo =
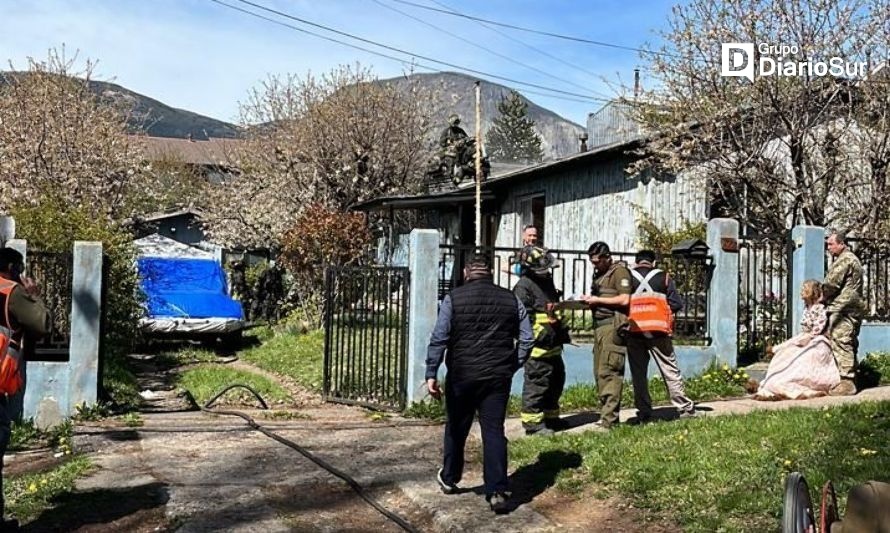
(86, 314)
(723, 295)
(423, 262)
(807, 262)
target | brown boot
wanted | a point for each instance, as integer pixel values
(846, 387)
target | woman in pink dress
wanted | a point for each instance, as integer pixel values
(803, 367)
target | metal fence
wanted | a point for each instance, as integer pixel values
(874, 254)
(764, 294)
(574, 277)
(366, 336)
(53, 271)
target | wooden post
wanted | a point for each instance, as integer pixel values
(478, 164)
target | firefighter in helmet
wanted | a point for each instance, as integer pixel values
(545, 372)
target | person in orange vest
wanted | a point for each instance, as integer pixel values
(22, 317)
(653, 302)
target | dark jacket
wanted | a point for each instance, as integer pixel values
(662, 283)
(28, 317)
(478, 324)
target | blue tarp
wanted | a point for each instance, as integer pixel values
(186, 288)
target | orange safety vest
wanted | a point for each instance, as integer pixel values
(11, 381)
(649, 310)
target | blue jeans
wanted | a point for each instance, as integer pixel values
(462, 401)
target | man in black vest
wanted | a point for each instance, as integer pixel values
(655, 338)
(478, 325)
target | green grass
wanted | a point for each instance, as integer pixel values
(715, 382)
(205, 381)
(296, 356)
(725, 473)
(119, 384)
(29, 495)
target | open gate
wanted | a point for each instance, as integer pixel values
(366, 336)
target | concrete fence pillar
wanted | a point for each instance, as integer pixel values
(423, 262)
(86, 314)
(807, 262)
(723, 294)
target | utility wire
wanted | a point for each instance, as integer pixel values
(532, 30)
(523, 43)
(399, 50)
(486, 49)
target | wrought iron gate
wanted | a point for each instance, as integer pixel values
(54, 270)
(366, 336)
(765, 294)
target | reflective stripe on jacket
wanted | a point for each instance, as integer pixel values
(649, 309)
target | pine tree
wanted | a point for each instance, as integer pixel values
(512, 138)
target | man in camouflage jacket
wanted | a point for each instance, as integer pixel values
(842, 292)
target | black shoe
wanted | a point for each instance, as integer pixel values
(499, 503)
(643, 418)
(540, 431)
(556, 424)
(447, 488)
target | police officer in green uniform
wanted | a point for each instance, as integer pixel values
(545, 371)
(609, 302)
(842, 292)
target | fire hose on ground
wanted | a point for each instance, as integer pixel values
(353, 484)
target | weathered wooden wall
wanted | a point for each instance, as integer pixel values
(598, 201)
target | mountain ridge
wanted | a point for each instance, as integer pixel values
(454, 94)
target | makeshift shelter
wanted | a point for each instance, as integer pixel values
(185, 289)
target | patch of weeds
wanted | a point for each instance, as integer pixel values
(283, 415)
(24, 435)
(205, 381)
(874, 370)
(133, 419)
(428, 409)
(91, 413)
(725, 473)
(717, 381)
(59, 437)
(299, 357)
(190, 355)
(29, 495)
(378, 416)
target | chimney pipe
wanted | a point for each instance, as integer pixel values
(583, 138)
(636, 83)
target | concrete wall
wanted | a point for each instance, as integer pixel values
(54, 389)
(874, 337)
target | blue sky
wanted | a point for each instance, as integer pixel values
(203, 57)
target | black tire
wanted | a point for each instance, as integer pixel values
(797, 510)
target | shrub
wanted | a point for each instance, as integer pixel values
(52, 226)
(321, 237)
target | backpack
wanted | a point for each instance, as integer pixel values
(11, 381)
